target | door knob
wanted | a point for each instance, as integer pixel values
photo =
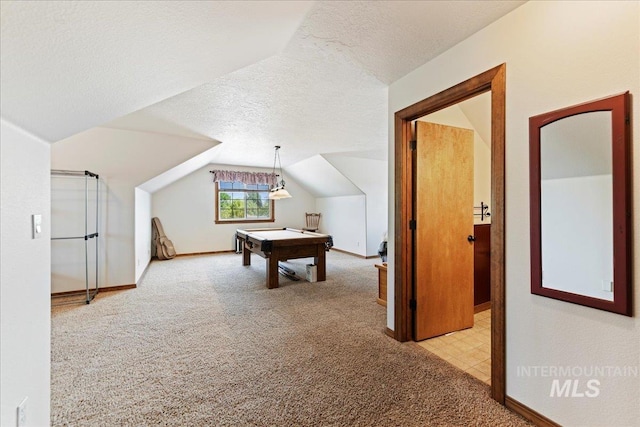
(471, 238)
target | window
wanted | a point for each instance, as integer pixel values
(240, 202)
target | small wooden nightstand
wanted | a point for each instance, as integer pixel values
(382, 283)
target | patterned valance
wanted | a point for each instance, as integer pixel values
(244, 177)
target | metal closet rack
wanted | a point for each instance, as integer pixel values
(89, 294)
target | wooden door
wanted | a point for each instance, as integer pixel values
(444, 220)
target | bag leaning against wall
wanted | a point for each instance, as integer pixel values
(162, 247)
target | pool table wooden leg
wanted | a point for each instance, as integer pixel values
(272, 272)
(321, 263)
(246, 255)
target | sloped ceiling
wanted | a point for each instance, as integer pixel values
(71, 65)
(321, 178)
(134, 157)
(367, 173)
(179, 171)
(478, 111)
(301, 106)
(327, 91)
(475, 111)
(311, 77)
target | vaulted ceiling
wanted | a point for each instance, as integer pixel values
(309, 76)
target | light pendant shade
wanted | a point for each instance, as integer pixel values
(278, 192)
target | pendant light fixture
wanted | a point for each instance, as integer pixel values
(278, 191)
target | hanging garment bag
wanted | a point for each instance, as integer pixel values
(162, 247)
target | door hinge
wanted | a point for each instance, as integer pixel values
(413, 304)
(412, 224)
(413, 145)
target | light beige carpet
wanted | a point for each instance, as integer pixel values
(203, 342)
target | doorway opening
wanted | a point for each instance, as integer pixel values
(492, 81)
(453, 192)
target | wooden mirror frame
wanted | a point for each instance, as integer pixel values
(618, 105)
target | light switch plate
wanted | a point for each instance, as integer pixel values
(36, 226)
(21, 415)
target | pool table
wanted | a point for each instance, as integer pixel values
(281, 244)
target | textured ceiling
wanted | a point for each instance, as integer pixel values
(312, 78)
(388, 39)
(71, 65)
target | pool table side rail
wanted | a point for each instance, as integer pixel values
(252, 237)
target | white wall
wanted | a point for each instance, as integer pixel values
(186, 209)
(25, 305)
(342, 217)
(557, 54)
(122, 159)
(370, 176)
(143, 231)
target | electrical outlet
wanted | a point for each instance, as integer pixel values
(21, 418)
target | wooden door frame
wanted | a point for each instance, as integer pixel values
(494, 81)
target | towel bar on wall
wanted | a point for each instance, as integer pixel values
(484, 211)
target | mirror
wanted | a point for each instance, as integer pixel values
(580, 204)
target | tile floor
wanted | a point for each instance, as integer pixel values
(469, 350)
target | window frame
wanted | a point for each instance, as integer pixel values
(240, 220)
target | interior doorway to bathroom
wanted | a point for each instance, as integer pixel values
(406, 304)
